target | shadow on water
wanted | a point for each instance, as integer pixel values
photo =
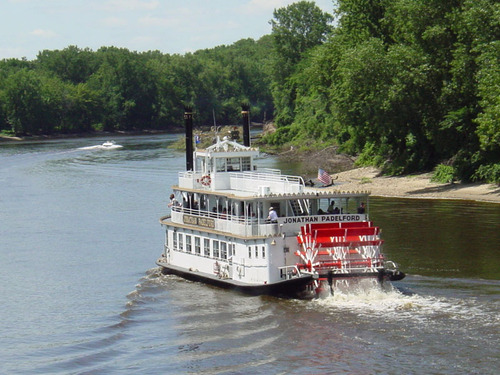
(450, 187)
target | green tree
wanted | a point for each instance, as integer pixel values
(362, 19)
(126, 87)
(24, 103)
(406, 84)
(81, 109)
(296, 30)
(70, 64)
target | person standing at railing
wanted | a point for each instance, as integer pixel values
(273, 216)
(173, 201)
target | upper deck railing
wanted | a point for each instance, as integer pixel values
(223, 222)
(266, 181)
(253, 226)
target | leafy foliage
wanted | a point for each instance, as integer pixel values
(77, 90)
(444, 174)
(404, 84)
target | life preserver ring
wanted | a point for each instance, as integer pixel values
(206, 180)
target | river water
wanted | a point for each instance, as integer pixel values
(81, 294)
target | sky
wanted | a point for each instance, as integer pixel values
(169, 26)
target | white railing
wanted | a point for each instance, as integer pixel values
(223, 222)
(254, 181)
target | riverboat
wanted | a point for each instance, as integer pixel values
(259, 231)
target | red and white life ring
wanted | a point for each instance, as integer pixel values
(206, 180)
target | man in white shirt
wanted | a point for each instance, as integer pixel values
(273, 216)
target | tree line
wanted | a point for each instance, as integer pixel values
(407, 85)
(113, 89)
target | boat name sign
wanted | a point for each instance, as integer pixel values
(321, 219)
(200, 221)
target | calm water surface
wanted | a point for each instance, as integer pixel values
(81, 294)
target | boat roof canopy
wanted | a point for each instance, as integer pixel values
(226, 148)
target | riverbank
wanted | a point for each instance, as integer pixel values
(96, 134)
(414, 186)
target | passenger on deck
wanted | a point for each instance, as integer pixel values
(331, 208)
(173, 201)
(273, 216)
(361, 208)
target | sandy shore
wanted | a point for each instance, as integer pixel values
(415, 186)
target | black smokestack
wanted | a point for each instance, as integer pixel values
(188, 121)
(245, 112)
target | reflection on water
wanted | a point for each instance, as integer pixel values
(440, 237)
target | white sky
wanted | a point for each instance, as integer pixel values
(170, 26)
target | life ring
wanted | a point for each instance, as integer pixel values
(206, 180)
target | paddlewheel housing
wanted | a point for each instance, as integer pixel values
(340, 250)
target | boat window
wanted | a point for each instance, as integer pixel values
(206, 247)
(249, 252)
(245, 164)
(181, 242)
(197, 245)
(220, 165)
(256, 251)
(263, 251)
(199, 163)
(233, 164)
(175, 241)
(223, 248)
(330, 206)
(188, 243)
(215, 245)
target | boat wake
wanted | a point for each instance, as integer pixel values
(198, 321)
(388, 302)
(108, 145)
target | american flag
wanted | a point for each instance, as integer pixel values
(324, 177)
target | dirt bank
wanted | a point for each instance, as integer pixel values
(350, 178)
(414, 186)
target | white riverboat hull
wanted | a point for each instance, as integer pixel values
(261, 232)
(296, 287)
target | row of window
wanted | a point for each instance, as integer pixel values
(233, 164)
(218, 249)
